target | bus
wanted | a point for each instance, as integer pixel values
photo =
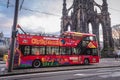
(69, 48)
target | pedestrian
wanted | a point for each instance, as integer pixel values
(115, 55)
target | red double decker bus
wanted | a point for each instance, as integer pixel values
(68, 49)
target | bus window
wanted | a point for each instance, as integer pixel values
(95, 52)
(48, 50)
(42, 50)
(68, 50)
(88, 52)
(52, 50)
(65, 50)
(93, 38)
(35, 50)
(55, 50)
(75, 51)
(88, 38)
(62, 50)
(25, 50)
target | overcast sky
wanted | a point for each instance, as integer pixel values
(45, 15)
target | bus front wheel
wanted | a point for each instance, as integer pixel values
(86, 61)
(36, 63)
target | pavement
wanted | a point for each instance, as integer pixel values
(104, 63)
(2, 62)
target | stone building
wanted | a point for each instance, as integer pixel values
(82, 13)
(4, 41)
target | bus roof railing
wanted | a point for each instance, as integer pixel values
(37, 34)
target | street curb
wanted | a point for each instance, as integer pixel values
(21, 73)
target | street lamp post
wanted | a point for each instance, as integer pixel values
(11, 58)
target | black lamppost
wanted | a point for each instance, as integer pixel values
(13, 37)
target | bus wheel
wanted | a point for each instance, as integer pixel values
(36, 64)
(86, 61)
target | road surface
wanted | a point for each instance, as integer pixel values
(87, 74)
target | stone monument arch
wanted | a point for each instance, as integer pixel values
(84, 12)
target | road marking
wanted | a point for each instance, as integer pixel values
(79, 74)
(114, 74)
(109, 70)
(86, 75)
